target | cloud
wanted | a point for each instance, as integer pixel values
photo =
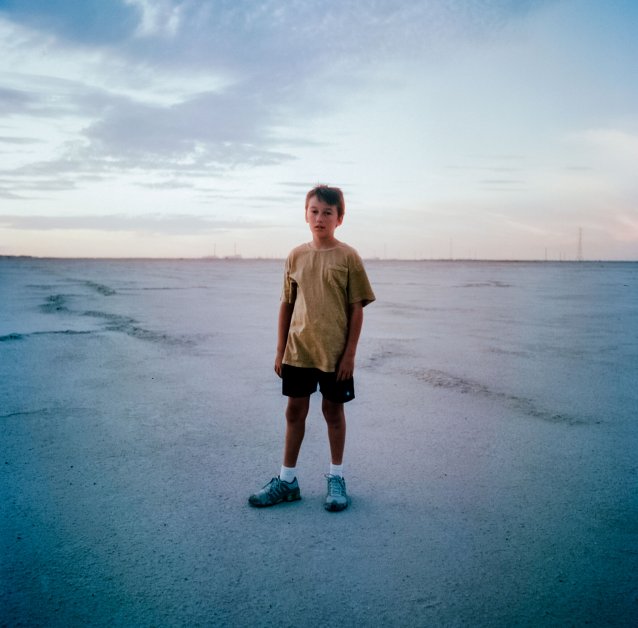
(157, 17)
(8, 195)
(18, 141)
(210, 129)
(13, 100)
(185, 86)
(167, 224)
(504, 185)
(612, 142)
(41, 185)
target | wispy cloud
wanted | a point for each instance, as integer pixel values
(157, 17)
(19, 141)
(208, 85)
(617, 143)
(146, 224)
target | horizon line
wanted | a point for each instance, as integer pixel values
(240, 258)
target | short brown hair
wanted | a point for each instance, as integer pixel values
(329, 195)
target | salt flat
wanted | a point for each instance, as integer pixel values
(492, 449)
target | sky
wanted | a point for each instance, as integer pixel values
(480, 129)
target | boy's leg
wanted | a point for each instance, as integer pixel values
(296, 413)
(336, 421)
(281, 489)
(336, 498)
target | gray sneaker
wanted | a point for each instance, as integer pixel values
(275, 492)
(337, 498)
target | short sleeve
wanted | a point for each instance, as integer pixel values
(359, 288)
(289, 290)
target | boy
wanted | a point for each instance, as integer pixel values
(320, 318)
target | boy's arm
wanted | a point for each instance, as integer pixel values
(283, 325)
(345, 368)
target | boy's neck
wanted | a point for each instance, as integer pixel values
(323, 244)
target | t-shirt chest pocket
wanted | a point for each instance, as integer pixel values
(336, 276)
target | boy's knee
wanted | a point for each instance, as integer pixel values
(297, 409)
(333, 412)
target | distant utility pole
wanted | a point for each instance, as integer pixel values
(579, 255)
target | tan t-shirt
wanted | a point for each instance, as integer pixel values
(322, 284)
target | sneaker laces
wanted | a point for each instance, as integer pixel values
(274, 487)
(278, 487)
(336, 485)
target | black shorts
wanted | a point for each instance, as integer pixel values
(302, 382)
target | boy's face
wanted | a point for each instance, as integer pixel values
(322, 218)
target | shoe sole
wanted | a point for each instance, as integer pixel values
(288, 498)
(335, 507)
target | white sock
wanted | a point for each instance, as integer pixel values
(336, 469)
(288, 474)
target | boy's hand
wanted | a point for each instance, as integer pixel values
(279, 358)
(345, 368)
